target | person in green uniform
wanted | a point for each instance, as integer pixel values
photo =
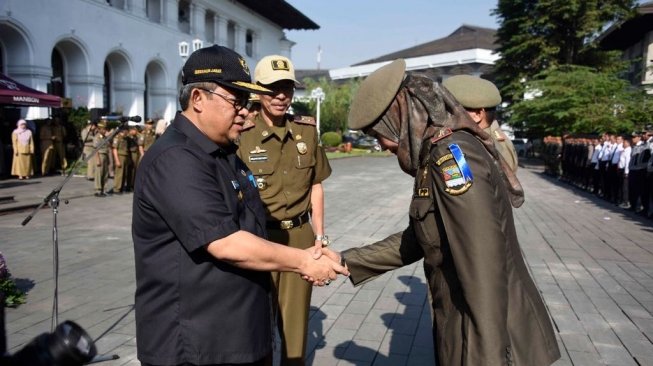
(480, 98)
(133, 137)
(100, 160)
(146, 137)
(289, 165)
(487, 310)
(121, 160)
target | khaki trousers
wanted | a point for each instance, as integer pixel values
(120, 173)
(294, 297)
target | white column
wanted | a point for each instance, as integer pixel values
(197, 25)
(137, 7)
(240, 39)
(221, 25)
(170, 9)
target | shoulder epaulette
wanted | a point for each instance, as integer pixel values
(442, 134)
(248, 124)
(305, 120)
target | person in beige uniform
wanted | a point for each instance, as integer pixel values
(22, 142)
(487, 309)
(122, 161)
(87, 137)
(289, 166)
(100, 160)
(480, 98)
(52, 135)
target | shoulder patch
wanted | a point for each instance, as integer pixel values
(456, 174)
(304, 120)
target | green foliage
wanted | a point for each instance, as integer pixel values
(79, 117)
(537, 34)
(13, 295)
(335, 106)
(579, 99)
(331, 139)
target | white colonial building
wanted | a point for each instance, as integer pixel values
(125, 56)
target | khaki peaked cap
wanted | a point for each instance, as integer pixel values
(472, 91)
(375, 94)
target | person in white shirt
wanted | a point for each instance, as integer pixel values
(614, 186)
(596, 172)
(622, 174)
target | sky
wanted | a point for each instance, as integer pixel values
(352, 31)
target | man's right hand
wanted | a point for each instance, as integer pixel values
(320, 271)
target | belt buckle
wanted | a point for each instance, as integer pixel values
(286, 224)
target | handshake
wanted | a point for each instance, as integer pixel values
(322, 267)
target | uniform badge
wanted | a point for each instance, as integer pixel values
(257, 150)
(455, 171)
(265, 133)
(423, 192)
(261, 184)
(302, 148)
(250, 178)
(298, 137)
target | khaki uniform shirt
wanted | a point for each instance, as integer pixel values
(97, 140)
(487, 310)
(120, 144)
(146, 139)
(503, 145)
(87, 136)
(286, 162)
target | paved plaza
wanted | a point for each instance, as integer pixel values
(592, 262)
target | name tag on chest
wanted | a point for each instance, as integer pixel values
(254, 158)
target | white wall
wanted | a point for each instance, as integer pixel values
(89, 32)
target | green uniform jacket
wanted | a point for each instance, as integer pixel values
(286, 162)
(487, 310)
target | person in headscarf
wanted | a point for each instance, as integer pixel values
(23, 147)
(486, 308)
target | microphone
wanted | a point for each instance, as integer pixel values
(124, 119)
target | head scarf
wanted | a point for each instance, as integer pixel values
(420, 109)
(24, 135)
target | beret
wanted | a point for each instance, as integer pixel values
(375, 94)
(472, 91)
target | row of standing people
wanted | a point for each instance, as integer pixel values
(616, 168)
(120, 155)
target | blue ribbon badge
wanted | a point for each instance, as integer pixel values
(458, 177)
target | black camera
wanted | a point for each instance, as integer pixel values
(68, 345)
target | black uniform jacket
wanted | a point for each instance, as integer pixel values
(487, 310)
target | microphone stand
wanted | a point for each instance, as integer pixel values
(53, 200)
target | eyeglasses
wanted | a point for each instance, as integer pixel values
(237, 103)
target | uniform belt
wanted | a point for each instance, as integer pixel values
(289, 223)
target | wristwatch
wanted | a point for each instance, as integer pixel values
(324, 239)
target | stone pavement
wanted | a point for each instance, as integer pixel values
(592, 262)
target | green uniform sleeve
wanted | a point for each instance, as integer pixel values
(322, 166)
(368, 262)
(478, 245)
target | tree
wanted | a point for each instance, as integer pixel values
(334, 109)
(604, 103)
(534, 35)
